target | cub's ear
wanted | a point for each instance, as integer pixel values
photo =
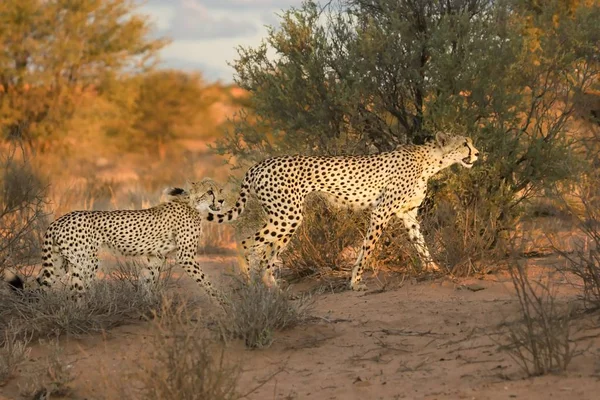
(442, 139)
(174, 191)
(175, 194)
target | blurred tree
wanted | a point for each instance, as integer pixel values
(167, 102)
(53, 51)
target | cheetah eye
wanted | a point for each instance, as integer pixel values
(210, 193)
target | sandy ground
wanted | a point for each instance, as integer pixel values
(432, 339)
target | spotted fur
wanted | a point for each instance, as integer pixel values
(391, 183)
(71, 243)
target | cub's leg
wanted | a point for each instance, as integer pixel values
(186, 259)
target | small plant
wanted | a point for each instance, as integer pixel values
(584, 259)
(255, 312)
(185, 364)
(463, 228)
(584, 262)
(540, 341)
(13, 353)
(22, 215)
(53, 379)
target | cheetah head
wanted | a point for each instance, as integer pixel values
(457, 149)
(205, 195)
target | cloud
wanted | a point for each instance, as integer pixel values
(189, 19)
(206, 33)
(214, 55)
(208, 72)
(241, 5)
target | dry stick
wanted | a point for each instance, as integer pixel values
(265, 380)
(401, 332)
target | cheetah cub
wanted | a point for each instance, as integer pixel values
(71, 243)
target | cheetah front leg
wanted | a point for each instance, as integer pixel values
(416, 237)
(186, 259)
(379, 220)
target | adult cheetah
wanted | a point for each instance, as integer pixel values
(390, 183)
(71, 243)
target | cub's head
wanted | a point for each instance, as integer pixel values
(456, 149)
(205, 195)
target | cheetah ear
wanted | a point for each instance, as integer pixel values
(173, 191)
(442, 139)
(175, 194)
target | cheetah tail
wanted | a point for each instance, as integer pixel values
(14, 281)
(233, 213)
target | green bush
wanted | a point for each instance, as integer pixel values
(360, 75)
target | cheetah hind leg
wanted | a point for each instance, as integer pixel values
(270, 258)
(257, 253)
(150, 275)
(275, 250)
(246, 258)
(55, 272)
(81, 273)
(378, 222)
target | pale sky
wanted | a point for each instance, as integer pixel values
(205, 33)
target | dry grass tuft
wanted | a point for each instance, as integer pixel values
(318, 246)
(460, 240)
(53, 379)
(13, 353)
(185, 363)
(540, 341)
(583, 259)
(119, 299)
(255, 312)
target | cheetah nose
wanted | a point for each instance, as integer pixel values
(221, 201)
(476, 154)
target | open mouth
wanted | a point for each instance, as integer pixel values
(467, 161)
(214, 208)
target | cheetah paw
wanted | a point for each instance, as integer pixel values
(358, 286)
(431, 267)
